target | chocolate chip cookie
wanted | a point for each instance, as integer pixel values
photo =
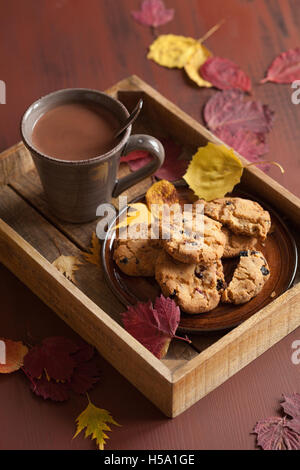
(137, 257)
(241, 216)
(194, 240)
(236, 243)
(248, 279)
(195, 288)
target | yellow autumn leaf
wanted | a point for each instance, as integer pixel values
(136, 214)
(213, 171)
(172, 51)
(67, 265)
(93, 256)
(192, 66)
(95, 420)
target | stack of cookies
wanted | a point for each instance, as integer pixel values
(187, 259)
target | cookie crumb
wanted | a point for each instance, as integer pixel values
(273, 295)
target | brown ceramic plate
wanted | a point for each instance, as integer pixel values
(280, 251)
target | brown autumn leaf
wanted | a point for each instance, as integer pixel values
(93, 256)
(67, 265)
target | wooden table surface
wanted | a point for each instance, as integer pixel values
(50, 44)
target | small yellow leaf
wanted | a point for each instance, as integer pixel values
(172, 51)
(192, 67)
(213, 171)
(95, 421)
(67, 265)
(136, 214)
(94, 256)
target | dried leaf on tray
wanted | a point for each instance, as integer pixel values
(162, 192)
(225, 74)
(172, 169)
(213, 171)
(67, 265)
(96, 423)
(93, 256)
(12, 354)
(153, 326)
(153, 13)
(285, 68)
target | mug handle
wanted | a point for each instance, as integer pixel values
(156, 150)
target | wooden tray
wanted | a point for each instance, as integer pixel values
(31, 239)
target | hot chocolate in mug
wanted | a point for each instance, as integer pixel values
(70, 136)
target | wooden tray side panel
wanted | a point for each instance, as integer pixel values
(127, 355)
(235, 350)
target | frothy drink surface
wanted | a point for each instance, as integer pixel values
(75, 131)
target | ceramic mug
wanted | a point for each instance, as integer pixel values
(74, 189)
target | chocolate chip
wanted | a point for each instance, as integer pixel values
(198, 275)
(220, 284)
(228, 203)
(264, 270)
(243, 253)
(254, 252)
(124, 260)
(173, 295)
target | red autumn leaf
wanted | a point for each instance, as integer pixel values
(276, 434)
(172, 169)
(250, 145)
(53, 356)
(228, 109)
(291, 406)
(285, 68)
(85, 369)
(154, 327)
(225, 74)
(153, 13)
(11, 355)
(86, 374)
(50, 389)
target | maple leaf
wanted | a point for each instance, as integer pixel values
(154, 327)
(12, 354)
(94, 256)
(249, 144)
(276, 434)
(153, 13)
(67, 265)
(96, 421)
(229, 109)
(285, 68)
(85, 370)
(172, 169)
(213, 171)
(50, 389)
(54, 356)
(225, 74)
(291, 406)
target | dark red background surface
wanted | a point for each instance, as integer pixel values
(51, 44)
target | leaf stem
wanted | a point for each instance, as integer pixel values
(211, 31)
(186, 339)
(262, 162)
